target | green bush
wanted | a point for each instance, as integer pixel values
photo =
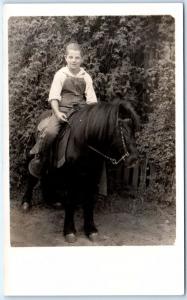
(128, 57)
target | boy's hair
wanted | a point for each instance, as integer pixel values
(73, 46)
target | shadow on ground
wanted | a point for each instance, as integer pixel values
(119, 223)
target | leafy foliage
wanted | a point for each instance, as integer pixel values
(128, 57)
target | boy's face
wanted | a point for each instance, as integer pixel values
(73, 60)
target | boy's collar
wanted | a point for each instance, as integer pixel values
(81, 72)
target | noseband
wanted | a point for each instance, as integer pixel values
(114, 161)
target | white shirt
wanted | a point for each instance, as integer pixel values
(58, 81)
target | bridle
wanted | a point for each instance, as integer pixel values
(114, 161)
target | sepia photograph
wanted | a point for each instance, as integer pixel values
(92, 131)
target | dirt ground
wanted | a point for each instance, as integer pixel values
(120, 222)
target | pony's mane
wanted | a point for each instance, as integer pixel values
(97, 122)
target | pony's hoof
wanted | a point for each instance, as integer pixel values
(70, 238)
(93, 236)
(25, 206)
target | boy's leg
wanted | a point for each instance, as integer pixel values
(37, 164)
(50, 133)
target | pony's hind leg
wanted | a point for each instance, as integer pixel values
(27, 197)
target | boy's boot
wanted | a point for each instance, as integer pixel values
(37, 165)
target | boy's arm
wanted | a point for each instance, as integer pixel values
(55, 107)
(55, 96)
(89, 92)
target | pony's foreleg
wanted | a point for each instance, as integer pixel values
(69, 225)
(89, 224)
(27, 197)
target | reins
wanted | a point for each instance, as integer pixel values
(114, 161)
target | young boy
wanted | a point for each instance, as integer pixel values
(71, 86)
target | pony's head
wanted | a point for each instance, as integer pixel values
(128, 123)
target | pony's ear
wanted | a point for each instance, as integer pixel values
(123, 113)
(127, 115)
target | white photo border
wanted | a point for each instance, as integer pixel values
(50, 271)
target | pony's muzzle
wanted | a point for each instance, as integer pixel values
(131, 161)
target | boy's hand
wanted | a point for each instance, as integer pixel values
(61, 117)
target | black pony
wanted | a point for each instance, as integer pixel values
(97, 132)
